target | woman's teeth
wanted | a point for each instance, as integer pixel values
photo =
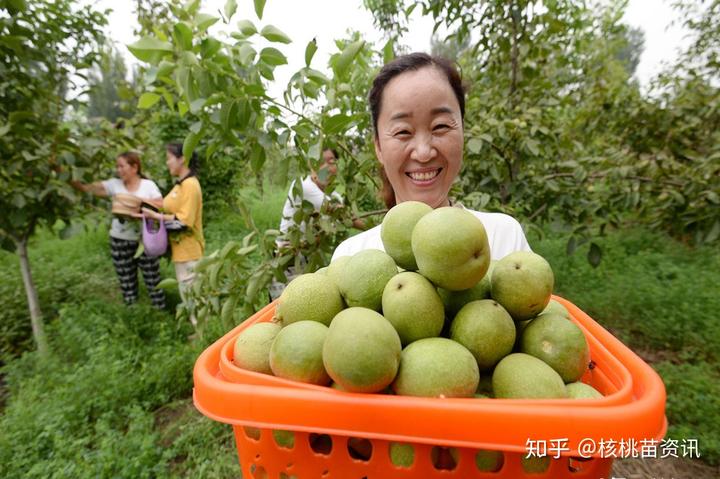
(423, 176)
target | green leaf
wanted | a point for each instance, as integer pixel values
(246, 27)
(147, 100)
(165, 68)
(336, 123)
(257, 157)
(148, 49)
(182, 33)
(310, 50)
(259, 7)
(190, 143)
(205, 21)
(594, 255)
(227, 115)
(169, 100)
(209, 47)
(196, 127)
(197, 105)
(532, 147)
(272, 56)
(316, 76)
(247, 250)
(168, 284)
(343, 61)
(16, 6)
(714, 233)
(315, 150)
(571, 245)
(474, 145)
(191, 6)
(274, 34)
(388, 51)
(266, 71)
(230, 9)
(228, 310)
(246, 54)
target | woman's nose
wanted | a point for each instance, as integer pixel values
(423, 149)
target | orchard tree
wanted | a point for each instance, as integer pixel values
(221, 83)
(559, 133)
(109, 87)
(45, 47)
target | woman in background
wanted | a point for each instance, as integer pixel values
(125, 230)
(182, 206)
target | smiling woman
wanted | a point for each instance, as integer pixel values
(418, 108)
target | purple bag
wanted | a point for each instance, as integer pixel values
(154, 236)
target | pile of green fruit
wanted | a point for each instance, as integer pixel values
(432, 316)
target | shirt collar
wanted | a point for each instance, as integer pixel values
(189, 175)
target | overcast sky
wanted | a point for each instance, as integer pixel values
(326, 20)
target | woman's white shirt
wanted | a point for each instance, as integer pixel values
(505, 236)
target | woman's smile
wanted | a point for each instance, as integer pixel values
(424, 176)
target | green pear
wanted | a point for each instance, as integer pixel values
(396, 231)
(412, 305)
(252, 347)
(296, 353)
(489, 461)
(535, 464)
(364, 277)
(521, 376)
(401, 454)
(336, 269)
(284, 438)
(556, 308)
(522, 283)
(578, 390)
(558, 342)
(362, 350)
(437, 367)
(455, 300)
(486, 329)
(451, 248)
(311, 297)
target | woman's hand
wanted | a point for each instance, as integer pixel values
(148, 213)
(96, 189)
(156, 202)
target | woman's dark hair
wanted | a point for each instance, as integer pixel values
(132, 159)
(414, 62)
(176, 149)
(334, 152)
(400, 65)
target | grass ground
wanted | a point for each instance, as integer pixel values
(114, 398)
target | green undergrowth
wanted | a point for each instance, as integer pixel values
(114, 397)
(659, 296)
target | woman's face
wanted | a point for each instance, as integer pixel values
(174, 164)
(420, 136)
(327, 170)
(124, 170)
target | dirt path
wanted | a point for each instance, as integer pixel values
(667, 468)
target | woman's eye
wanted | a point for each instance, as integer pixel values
(402, 133)
(442, 126)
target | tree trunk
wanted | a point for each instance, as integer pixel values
(36, 318)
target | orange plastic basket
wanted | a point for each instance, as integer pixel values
(632, 410)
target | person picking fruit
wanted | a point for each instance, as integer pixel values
(130, 184)
(313, 190)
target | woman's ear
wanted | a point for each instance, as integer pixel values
(378, 151)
